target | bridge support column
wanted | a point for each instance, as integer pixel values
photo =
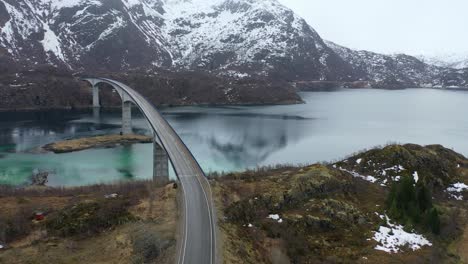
(96, 113)
(96, 103)
(126, 118)
(161, 163)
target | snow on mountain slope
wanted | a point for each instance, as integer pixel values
(236, 38)
(260, 37)
(239, 33)
(114, 35)
(399, 70)
(455, 61)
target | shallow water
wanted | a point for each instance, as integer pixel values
(329, 126)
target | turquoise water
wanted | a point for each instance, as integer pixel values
(329, 126)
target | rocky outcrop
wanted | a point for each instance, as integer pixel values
(434, 165)
(40, 178)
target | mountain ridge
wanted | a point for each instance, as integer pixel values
(453, 60)
(230, 36)
(256, 41)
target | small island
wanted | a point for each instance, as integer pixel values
(105, 141)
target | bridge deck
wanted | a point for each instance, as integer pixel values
(198, 239)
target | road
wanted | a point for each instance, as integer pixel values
(198, 222)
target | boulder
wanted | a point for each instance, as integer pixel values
(40, 178)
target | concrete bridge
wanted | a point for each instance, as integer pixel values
(197, 236)
(160, 159)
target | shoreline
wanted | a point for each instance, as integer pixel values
(164, 106)
(160, 107)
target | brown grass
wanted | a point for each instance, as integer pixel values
(463, 246)
(267, 242)
(130, 188)
(155, 207)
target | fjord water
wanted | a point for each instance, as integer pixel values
(329, 126)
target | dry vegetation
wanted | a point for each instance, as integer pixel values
(328, 216)
(95, 142)
(81, 225)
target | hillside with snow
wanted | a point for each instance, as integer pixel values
(400, 70)
(231, 39)
(456, 61)
(236, 38)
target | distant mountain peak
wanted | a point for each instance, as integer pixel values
(449, 60)
(399, 70)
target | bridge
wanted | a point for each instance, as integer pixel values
(197, 236)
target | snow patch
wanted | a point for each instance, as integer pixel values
(58, 4)
(236, 74)
(275, 217)
(118, 23)
(111, 196)
(456, 189)
(51, 43)
(358, 161)
(371, 179)
(396, 168)
(416, 177)
(392, 238)
(132, 3)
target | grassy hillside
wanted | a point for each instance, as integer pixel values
(339, 213)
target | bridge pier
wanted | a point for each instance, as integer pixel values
(96, 103)
(127, 118)
(96, 113)
(160, 163)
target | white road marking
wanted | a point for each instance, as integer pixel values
(211, 220)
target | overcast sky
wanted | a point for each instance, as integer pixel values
(430, 27)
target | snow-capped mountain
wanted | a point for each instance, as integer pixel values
(233, 37)
(252, 39)
(455, 61)
(399, 70)
(82, 33)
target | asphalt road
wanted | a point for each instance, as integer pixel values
(198, 236)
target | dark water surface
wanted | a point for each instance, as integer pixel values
(329, 126)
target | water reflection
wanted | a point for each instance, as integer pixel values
(33, 134)
(126, 163)
(249, 145)
(235, 141)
